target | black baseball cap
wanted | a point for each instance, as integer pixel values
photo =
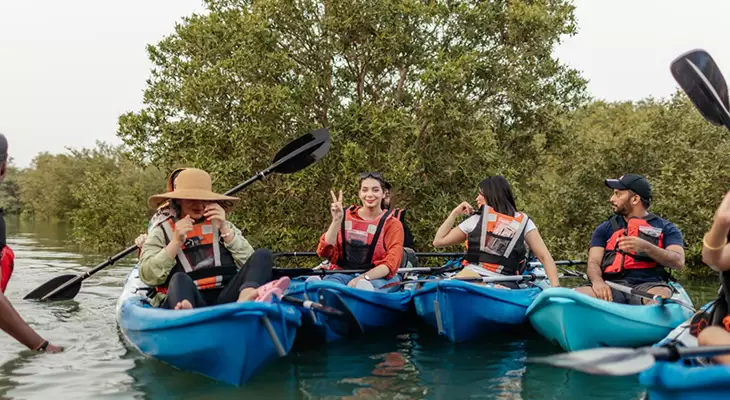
(634, 182)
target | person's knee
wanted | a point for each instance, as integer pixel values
(713, 335)
(263, 256)
(180, 278)
(263, 252)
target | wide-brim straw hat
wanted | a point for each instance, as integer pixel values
(191, 184)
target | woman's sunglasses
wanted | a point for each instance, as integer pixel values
(376, 175)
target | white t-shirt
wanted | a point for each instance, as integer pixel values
(469, 224)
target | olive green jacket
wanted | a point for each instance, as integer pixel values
(155, 264)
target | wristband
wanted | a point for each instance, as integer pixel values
(704, 243)
(42, 346)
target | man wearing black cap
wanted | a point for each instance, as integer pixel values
(633, 247)
(398, 213)
(10, 321)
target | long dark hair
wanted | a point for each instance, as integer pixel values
(498, 193)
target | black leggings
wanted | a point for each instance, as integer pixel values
(256, 272)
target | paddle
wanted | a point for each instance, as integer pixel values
(314, 254)
(702, 81)
(619, 361)
(647, 295)
(632, 291)
(295, 156)
(348, 326)
(483, 279)
(343, 322)
(294, 272)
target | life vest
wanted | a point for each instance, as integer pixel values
(201, 256)
(616, 261)
(7, 257)
(399, 214)
(362, 241)
(497, 242)
(7, 263)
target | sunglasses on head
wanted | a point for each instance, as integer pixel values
(365, 175)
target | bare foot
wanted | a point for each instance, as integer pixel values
(248, 294)
(183, 305)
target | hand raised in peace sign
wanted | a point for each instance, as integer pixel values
(336, 207)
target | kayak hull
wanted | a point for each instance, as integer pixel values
(464, 311)
(672, 381)
(228, 342)
(575, 321)
(375, 311)
(685, 379)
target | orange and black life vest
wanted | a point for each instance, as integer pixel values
(362, 241)
(616, 261)
(497, 243)
(201, 256)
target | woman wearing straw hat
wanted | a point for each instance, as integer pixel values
(196, 257)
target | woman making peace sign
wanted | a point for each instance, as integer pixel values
(363, 237)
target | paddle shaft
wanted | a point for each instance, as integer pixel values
(111, 260)
(314, 254)
(483, 279)
(262, 174)
(421, 254)
(258, 176)
(291, 272)
(646, 295)
(311, 305)
(676, 353)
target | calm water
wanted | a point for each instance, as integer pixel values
(410, 365)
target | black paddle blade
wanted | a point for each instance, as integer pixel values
(65, 294)
(344, 325)
(702, 81)
(315, 145)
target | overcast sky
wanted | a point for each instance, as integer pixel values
(68, 69)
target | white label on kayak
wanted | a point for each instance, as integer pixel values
(372, 229)
(207, 229)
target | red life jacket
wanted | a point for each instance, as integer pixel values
(201, 256)
(497, 243)
(7, 263)
(616, 261)
(361, 241)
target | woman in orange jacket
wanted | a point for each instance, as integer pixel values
(363, 237)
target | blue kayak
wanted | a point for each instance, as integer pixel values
(463, 311)
(685, 379)
(577, 322)
(373, 310)
(228, 342)
(672, 381)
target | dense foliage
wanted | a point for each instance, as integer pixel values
(435, 94)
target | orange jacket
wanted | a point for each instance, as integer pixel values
(393, 239)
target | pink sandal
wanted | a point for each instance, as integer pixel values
(274, 288)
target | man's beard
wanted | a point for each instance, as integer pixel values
(621, 210)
